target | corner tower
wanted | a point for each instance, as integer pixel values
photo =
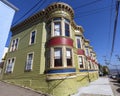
(59, 46)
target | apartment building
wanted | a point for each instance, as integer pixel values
(49, 53)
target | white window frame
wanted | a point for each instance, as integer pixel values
(82, 61)
(79, 37)
(62, 22)
(60, 33)
(87, 51)
(31, 37)
(67, 22)
(13, 47)
(60, 57)
(70, 55)
(26, 65)
(8, 65)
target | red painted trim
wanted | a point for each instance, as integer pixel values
(60, 41)
(80, 52)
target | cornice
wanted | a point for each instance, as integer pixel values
(33, 18)
(76, 26)
(59, 6)
(43, 15)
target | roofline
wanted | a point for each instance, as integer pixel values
(9, 4)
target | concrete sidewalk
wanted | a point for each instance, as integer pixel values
(100, 87)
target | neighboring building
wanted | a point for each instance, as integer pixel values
(7, 11)
(106, 70)
(49, 53)
(100, 69)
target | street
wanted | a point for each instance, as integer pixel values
(115, 87)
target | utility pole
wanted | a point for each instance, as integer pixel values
(115, 26)
(118, 57)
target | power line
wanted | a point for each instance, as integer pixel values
(109, 29)
(28, 12)
(115, 26)
(84, 5)
(93, 11)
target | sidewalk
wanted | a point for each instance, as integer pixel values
(100, 87)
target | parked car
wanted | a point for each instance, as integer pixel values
(114, 76)
(118, 78)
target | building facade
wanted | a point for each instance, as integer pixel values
(49, 53)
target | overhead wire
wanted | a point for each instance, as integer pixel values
(93, 11)
(115, 27)
(27, 12)
(89, 3)
(109, 32)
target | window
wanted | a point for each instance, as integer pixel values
(57, 28)
(78, 40)
(90, 65)
(29, 62)
(80, 61)
(32, 37)
(57, 57)
(14, 45)
(10, 65)
(67, 27)
(87, 52)
(48, 31)
(68, 57)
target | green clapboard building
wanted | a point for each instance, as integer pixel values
(49, 53)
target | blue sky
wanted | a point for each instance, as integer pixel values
(95, 16)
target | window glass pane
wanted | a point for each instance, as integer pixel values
(16, 43)
(68, 52)
(57, 57)
(57, 28)
(78, 43)
(89, 64)
(68, 57)
(33, 37)
(80, 62)
(29, 61)
(87, 52)
(67, 20)
(67, 33)
(13, 43)
(59, 18)
(30, 56)
(9, 66)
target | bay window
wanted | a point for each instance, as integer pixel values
(59, 27)
(60, 57)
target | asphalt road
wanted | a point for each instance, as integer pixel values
(115, 87)
(12, 90)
